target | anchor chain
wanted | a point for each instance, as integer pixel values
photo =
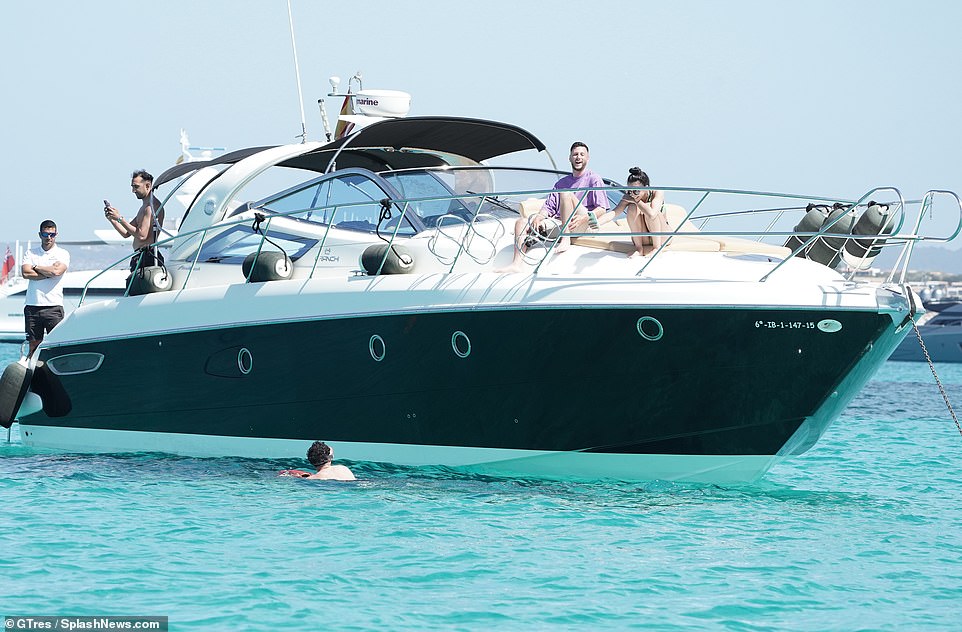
(938, 382)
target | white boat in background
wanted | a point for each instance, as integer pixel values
(942, 335)
(98, 285)
(359, 302)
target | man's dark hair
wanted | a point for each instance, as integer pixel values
(319, 453)
(47, 223)
(578, 143)
(142, 173)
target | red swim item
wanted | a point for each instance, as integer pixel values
(294, 473)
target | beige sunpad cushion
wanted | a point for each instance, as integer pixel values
(687, 242)
(738, 245)
(675, 214)
(617, 243)
(531, 206)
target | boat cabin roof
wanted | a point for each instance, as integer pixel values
(401, 143)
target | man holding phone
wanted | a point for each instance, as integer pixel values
(145, 226)
(43, 269)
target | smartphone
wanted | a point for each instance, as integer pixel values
(106, 205)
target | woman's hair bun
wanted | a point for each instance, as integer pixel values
(635, 174)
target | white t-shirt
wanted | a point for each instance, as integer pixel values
(46, 292)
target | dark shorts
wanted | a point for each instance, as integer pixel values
(41, 319)
(149, 259)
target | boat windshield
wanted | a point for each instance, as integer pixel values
(495, 182)
(476, 185)
(351, 199)
(433, 191)
(236, 242)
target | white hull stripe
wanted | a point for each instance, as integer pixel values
(561, 465)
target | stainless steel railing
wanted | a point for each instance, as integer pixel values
(468, 228)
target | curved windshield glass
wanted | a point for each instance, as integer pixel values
(432, 195)
(474, 185)
(352, 200)
(349, 201)
(238, 241)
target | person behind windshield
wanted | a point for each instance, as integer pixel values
(561, 205)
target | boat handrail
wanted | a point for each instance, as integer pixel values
(906, 241)
(810, 237)
(927, 204)
(831, 223)
(202, 232)
(471, 232)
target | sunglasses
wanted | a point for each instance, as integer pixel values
(46, 235)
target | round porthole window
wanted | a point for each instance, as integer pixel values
(245, 361)
(377, 347)
(650, 328)
(461, 344)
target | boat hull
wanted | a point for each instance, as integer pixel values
(631, 392)
(944, 344)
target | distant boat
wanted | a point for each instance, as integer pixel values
(13, 287)
(941, 304)
(12, 295)
(942, 335)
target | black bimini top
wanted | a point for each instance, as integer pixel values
(476, 139)
(382, 146)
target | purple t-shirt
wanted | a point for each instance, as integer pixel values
(594, 199)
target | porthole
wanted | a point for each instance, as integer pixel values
(245, 361)
(75, 363)
(650, 328)
(377, 348)
(461, 344)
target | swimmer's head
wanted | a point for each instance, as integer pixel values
(320, 454)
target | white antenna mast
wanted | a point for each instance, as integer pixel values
(297, 71)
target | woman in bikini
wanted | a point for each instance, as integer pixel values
(645, 213)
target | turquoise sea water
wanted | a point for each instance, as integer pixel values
(862, 532)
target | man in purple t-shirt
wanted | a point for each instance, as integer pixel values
(562, 205)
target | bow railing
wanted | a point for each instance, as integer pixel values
(480, 234)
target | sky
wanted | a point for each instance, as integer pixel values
(823, 98)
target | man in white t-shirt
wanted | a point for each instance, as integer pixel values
(44, 269)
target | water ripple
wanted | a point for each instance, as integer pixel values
(864, 529)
